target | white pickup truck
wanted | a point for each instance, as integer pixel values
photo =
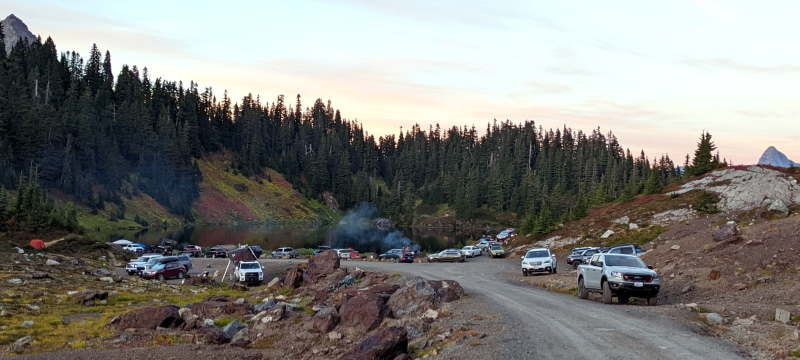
(623, 276)
(249, 272)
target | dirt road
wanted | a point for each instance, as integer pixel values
(545, 325)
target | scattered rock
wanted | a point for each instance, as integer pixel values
(692, 306)
(714, 275)
(208, 322)
(325, 320)
(274, 282)
(348, 280)
(19, 250)
(217, 306)
(607, 234)
(727, 233)
(633, 226)
(242, 338)
(266, 305)
(51, 262)
(211, 335)
(16, 281)
(675, 247)
(740, 286)
(232, 328)
(239, 301)
(275, 314)
(744, 322)
(123, 338)
(386, 343)
(334, 336)
(713, 318)
(671, 216)
(431, 314)
(21, 343)
(623, 220)
(101, 272)
(149, 318)
(294, 277)
(687, 288)
(88, 297)
(32, 307)
(783, 316)
(27, 323)
(107, 279)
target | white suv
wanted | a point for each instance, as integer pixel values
(539, 260)
(471, 251)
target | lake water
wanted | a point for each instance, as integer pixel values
(297, 236)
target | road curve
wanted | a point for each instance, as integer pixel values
(546, 325)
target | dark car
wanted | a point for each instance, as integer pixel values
(192, 250)
(393, 254)
(165, 271)
(407, 258)
(216, 253)
(257, 250)
(320, 249)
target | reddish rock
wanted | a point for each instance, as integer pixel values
(322, 265)
(364, 311)
(149, 318)
(728, 233)
(324, 320)
(217, 306)
(448, 290)
(386, 343)
(211, 335)
(294, 277)
(740, 286)
(714, 275)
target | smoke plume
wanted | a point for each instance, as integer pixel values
(363, 230)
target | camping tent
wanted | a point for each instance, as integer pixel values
(122, 242)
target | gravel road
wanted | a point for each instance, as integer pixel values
(546, 325)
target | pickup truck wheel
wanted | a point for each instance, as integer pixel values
(652, 301)
(607, 295)
(582, 292)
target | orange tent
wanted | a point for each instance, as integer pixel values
(37, 244)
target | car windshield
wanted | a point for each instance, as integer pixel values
(249, 266)
(158, 266)
(629, 261)
(537, 254)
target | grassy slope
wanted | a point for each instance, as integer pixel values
(226, 197)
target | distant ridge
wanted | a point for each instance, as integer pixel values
(15, 30)
(774, 157)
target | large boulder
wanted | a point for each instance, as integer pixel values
(324, 320)
(211, 335)
(728, 232)
(232, 328)
(88, 297)
(420, 295)
(294, 277)
(149, 318)
(217, 306)
(321, 265)
(364, 309)
(386, 343)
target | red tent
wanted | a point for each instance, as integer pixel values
(37, 244)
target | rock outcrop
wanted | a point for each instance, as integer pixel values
(149, 318)
(15, 30)
(386, 343)
(748, 189)
(420, 295)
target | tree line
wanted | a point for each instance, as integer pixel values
(98, 137)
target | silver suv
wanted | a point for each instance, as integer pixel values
(623, 276)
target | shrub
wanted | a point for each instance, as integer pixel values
(707, 202)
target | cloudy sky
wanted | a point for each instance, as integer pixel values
(655, 73)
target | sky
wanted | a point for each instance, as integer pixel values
(656, 74)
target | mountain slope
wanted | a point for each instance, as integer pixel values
(774, 157)
(14, 30)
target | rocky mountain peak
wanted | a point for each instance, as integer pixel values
(775, 157)
(14, 30)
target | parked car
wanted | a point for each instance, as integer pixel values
(495, 250)
(449, 255)
(505, 234)
(581, 255)
(257, 250)
(217, 252)
(623, 276)
(343, 253)
(625, 249)
(165, 271)
(354, 254)
(407, 258)
(284, 253)
(157, 261)
(249, 272)
(137, 265)
(186, 261)
(393, 254)
(134, 248)
(539, 260)
(192, 250)
(320, 249)
(471, 251)
(483, 244)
